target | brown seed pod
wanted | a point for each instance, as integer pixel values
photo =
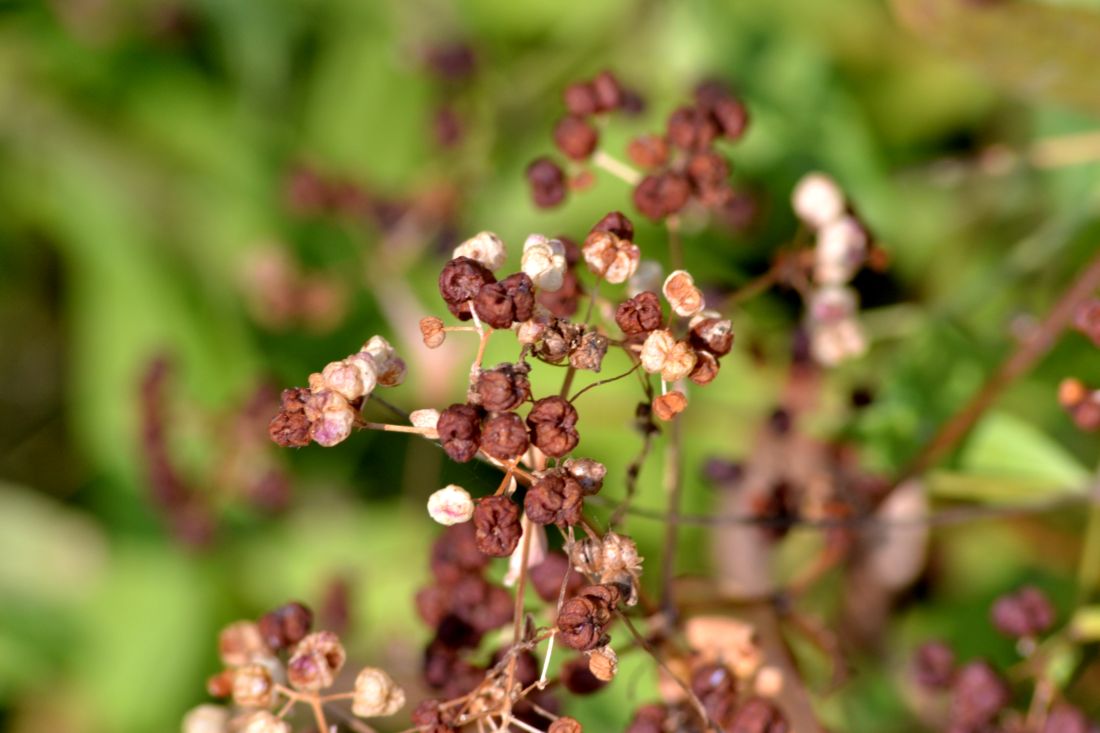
(603, 663)
(706, 368)
(240, 643)
(690, 128)
(290, 427)
(609, 94)
(553, 422)
(459, 429)
(648, 151)
(455, 554)
(493, 306)
(615, 222)
(583, 619)
(648, 719)
(547, 181)
(588, 473)
(547, 577)
(589, 353)
(520, 290)
(580, 99)
(496, 520)
(253, 686)
(668, 406)
(504, 387)
(315, 661)
(504, 436)
(564, 725)
(431, 331)
(640, 314)
(555, 498)
(757, 715)
(459, 283)
(575, 137)
(712, 334)
(286, 625)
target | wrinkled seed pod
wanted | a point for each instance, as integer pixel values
(431, 331)
(668, 406)
(680, 292)
(497, 524)
(376, 694)
(575, 137)
(640, 314)
(286, 625)
(589, 353)
(459, 430)
(553, 422)
(648, 151)
(547, 181)
(504, 436)
(316, 661)
(240, 642)
(615, 222)
(655, 350)
(603, 663)
(503, 388)
(706, 368)
(253, 687)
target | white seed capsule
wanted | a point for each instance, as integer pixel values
(817, 200)
(426, 419)
(376, 694)
(485, 247)
(840, 251)
(655, 350)
(544, 262)
(206, 719)
(451, 505)
(680, 292)
(388, 366)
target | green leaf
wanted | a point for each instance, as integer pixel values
(1009, 449)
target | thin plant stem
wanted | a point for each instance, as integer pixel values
(673, 482)
(616, 167)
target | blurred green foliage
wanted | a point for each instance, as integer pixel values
(144, 150)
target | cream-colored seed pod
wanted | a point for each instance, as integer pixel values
(680, 292)
(544, 262)
(486, 248)
(253, 686)
(655, 350)
(451, 505)
(603, 663)
(679, 362)
(389, 367)
(376, 694)
(264, 722)
(206, 719)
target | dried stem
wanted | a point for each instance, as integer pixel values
(616, 167)
(673, 482)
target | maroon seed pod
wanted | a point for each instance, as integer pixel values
(648, 151)
(648, 719)
(455, 554)
(691, 129)
(521, 292)
(609, 94)
(589, 353)
(705, 369)
(707, 171)
(493, 306)
(555, 498)
(583, 618)
(716, 688)
(433, 603)
(564, 301)
(578, 679)
(503, 388)
(452, 61)
(547, 577)
(459, 429)
(504, 436)
(580, 99)
(1025, 613)
(732, 117)
(933, 665)
(712, 334)
(977, 696)
(757, 715)
(286, 625)
(674, 191)
(461, 280)
(481, 604)
(575, 137)
(640, 314)
(547, 181)
(496, 520)
(615, 222)
(647, 198)
(430, 718)
(553, 422)
(290, 427)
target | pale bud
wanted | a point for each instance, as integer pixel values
(389, 367)
(680, 292)
(817, 200)
(544, 262)
(240, 643)
(613, 259)
(253, 686)
(655, 350)
(485, 247)
(376, 694)
(206, 719)
(648, 277)
(840, 251)
(264, 721)
(351, 378)
(425, 419)
(603, 663)
(451, 505)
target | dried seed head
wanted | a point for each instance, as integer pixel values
(376, 694)
(617, 223)
(264, 721)
(290, 426)
(387, 365)
(431, 330)
(691, 129)
(316, 661)
(817, 200)
(680, 292)
(451, 505)
(331, 418)
(559, 339)
(494, 305)
(583, 619)
(640, 314)
(286, 625)
(588, 473)
(544, 261)
(555, 498)
(648, 151)
(655, 350)
(648, 277)
(840, 251)
(547, 181)
(206, 719)
(564, 301)
(503, 388)
(679, 362)
(240, 643)
(553, 424)
(459, 283)
(564, 725)
(758, 714)
(426, 419)
(668, 406)
(706, 368)
(589, 353)
(575, 137)
(496, 519)
(349, 379)
(603, 663)
(610, 257)
(459, 429)
(253, 687)
(504, 436)
(710, 332)
(486, 248)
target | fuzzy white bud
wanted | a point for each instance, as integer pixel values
(451, 505)
(840, 251)
(817, 200)
(485, 247)
(376, 694)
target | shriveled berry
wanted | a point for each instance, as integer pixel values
(648, 151)
(504, 436)
(290, 427)
(459, 430)
(640, 314)
(553, 422)
(504, 387)
(547, 181)
(286, 625)
(555, 498)
(496, 520)
(575, 137)
(583, 619)
(615, 222)
(460, 281)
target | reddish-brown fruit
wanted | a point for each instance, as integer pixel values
(553, 424)
(648, 151)
(547, 181)
(459, 429)
(503, 388)
(640, 314)
(496, 520)
(460, 281)
(504, 436)
(575, 137)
